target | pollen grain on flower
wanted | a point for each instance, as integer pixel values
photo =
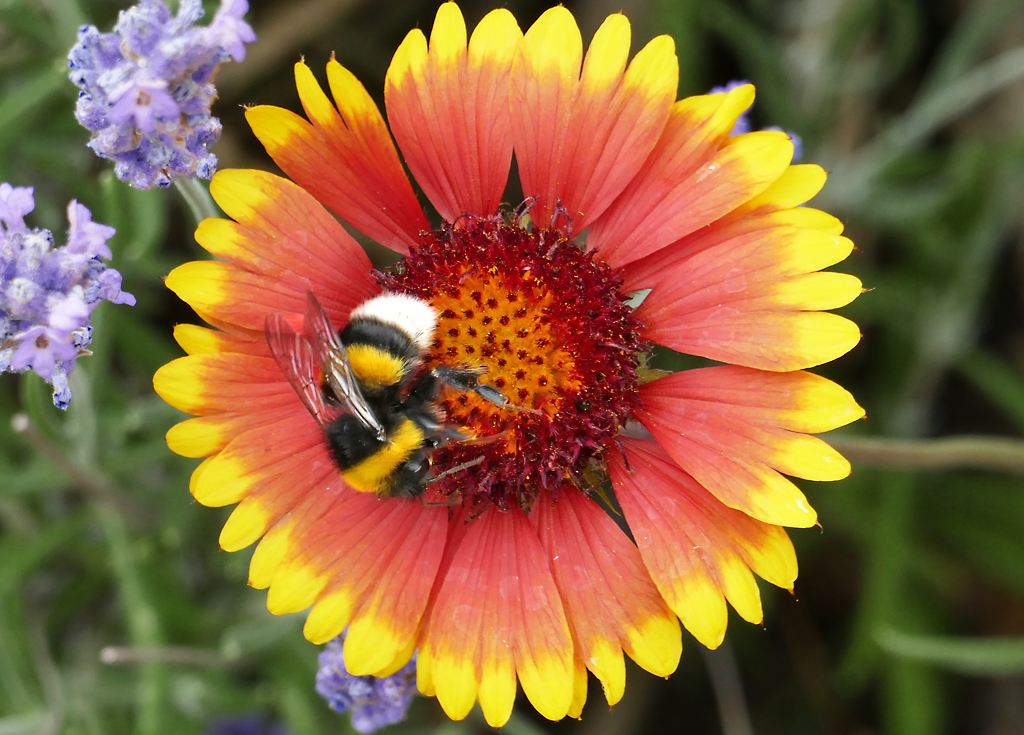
(520, 577)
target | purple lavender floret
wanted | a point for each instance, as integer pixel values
(743, 125)
(48, 294)
(374, 702)
(147, 88)
(248, 724)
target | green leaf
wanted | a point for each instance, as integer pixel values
(982, 520)
(18, 107)
(680, 19)
(145, 349)
(39, 477)
(969, 38)
(913, 699)
(67, 18)
(995, 378)
(931, 112)
(17, 681)
(258, 636)
(196, 194)
(885, 575)
(37, 398)
(27, 724)
(22, 555)
(23, 21)
(147, 212)
(759, 51)
(994, 656)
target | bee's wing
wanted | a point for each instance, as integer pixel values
(320, 333)
(295, 356)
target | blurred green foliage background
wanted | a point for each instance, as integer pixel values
(119, 615)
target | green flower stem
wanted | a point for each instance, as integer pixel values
(994, 453)
(49, 678)
(197, 197)
(516, 725)
(142, 620)
(885, 569)
(143, 623)
(724, 672)
(179, 655)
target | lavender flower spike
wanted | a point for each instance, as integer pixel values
(146, 88)
(47, 294)
(374, 702)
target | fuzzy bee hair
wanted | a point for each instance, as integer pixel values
(413, 317)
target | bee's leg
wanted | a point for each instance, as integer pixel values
(453, 500)
(466, 381)
(426, 387)
(456, 498)
(408, 479)
(485, 439)
(456, 468)
(438, 434)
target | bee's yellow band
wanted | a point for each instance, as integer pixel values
(375, 367)
(375, 473)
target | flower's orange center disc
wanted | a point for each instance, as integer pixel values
(553, 334)
(511, 335)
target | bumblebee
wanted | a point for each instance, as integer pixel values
(365, 388)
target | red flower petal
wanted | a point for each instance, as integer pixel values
(580, 139)
(694, 175)
(448, 108)
(214, 383)
(196, 340)
(206, 435)
(366, 562)
(731, 428)
(282, 233)
(288, 448)
(745, 290)
(773, 213)
(699, 552)
(346, 160)
(496, 614)
(269, 499)
(610, 601)
(282, 245)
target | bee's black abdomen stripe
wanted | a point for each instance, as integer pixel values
(407, 482)
(382, 336)
(350, 441)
